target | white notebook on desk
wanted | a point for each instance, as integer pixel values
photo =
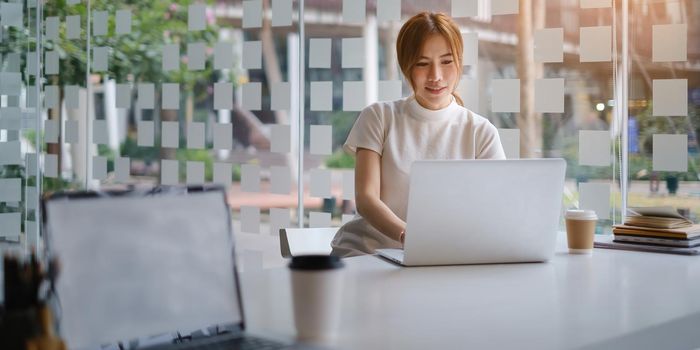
(481, 211)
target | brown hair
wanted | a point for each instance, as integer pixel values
(416, 31)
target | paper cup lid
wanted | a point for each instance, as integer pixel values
(315, 262)
(581, 214)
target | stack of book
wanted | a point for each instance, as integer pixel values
(657, 226)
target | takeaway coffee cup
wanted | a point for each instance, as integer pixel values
(316, 293)
(580, 230)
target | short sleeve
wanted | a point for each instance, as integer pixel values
(368, 132)
(490, 146)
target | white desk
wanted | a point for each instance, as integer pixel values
(613, 299)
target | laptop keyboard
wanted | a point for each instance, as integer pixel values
(244, 343)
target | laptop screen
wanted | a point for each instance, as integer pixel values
(141, 266)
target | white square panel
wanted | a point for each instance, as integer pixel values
(252, 13)
(320, 142)
(321, 96)
(31, 96)
(11, 119)
(596, 44)
(72, 131)
(468, 90)
(281, 13)
(171, 57)
(31, 198)
(670, 97)
(389, 90)
(549, 95)
(345, 218)
(470, 51)
(170, 134)
(319, 53)
(250, 219)
(10, 153)
(196, 56)
(670, 152)
(669, 43)
(72, 96)
(99, 168)
(10, 190)
(318, 219)
(123, 22)
(279, 218)
(195, 173)
(51, 165)
(10, 83)
(50, 131)
(122, 169)
(196, 17)
(123, 98)
(354, 11)
(354, 95)
(195, 135)
(281, 138)
(223, 55)
(145, 133)
(10, 225)
(280, 180)
(510, 140)
(280, 99)
(320, 183)
(589, 4)
(505, 7)
(505, 95)
(595, 196)
(222, 173)
(51, 62)
(223, 95)
(13, 61)
(349, 184)
(146, 93)
(549, 45)
(465, 8)
(73, 27)
(353, 53)
(51, 26)
(169, 172)
(594, 147)
(251, 96)
(99, 132)
(31, 63)
(223, 136)
(51, 96)
(250, 178)
(99, 23)
(252, 55)
(100, 59)
(388, 10)
(12, 14)
(170, 96)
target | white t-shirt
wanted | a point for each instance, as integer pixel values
(401, 132)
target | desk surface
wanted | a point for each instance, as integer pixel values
(570, 302)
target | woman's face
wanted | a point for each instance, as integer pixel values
(436, 74)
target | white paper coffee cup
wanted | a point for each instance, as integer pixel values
(580, 230)
(316, 293)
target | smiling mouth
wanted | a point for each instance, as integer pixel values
(435, 90)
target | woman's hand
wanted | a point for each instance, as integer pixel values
(367, 195)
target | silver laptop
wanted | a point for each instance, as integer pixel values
(147, 269)
(481, 212)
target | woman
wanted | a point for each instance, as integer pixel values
(431, 124)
